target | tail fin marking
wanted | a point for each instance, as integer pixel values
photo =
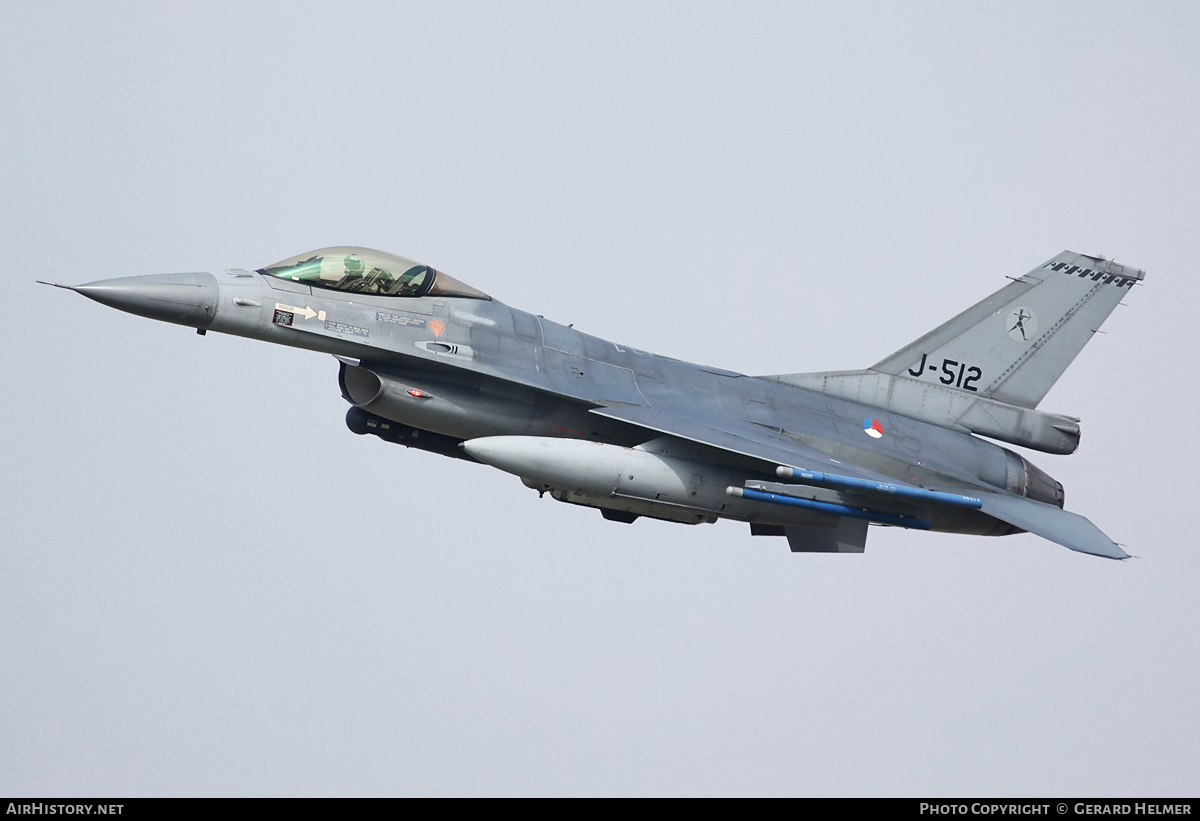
(987, 369)
(1014, 345)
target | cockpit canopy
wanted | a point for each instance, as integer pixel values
(363, 271)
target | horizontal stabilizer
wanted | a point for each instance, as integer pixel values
(1067, 529)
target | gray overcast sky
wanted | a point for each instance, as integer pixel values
(208, 586)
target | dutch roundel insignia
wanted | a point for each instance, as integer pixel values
(872, 428)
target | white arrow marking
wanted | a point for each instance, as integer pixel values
(306, 312)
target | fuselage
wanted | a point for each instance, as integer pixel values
(437, 370)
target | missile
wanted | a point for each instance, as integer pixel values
(886, 489)
(828, 507)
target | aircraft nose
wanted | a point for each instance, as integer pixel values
(185, 299)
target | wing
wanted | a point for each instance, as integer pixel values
(739, 437)
(881, 492)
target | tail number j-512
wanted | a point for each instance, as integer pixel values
(953, 374)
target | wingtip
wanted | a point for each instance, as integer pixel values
(1114, 552)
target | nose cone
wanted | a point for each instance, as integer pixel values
(185, 299)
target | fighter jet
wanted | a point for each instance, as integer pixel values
(430, 362)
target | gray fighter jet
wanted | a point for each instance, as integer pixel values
(429, 362)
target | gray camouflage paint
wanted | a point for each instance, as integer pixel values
(435, 371)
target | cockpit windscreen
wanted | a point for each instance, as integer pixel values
(363, 271)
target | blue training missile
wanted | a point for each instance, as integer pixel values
(829, 507)
(831, 480)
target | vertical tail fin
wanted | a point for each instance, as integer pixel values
(1014, 345)
(988, 368)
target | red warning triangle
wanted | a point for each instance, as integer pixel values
(437, 327)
